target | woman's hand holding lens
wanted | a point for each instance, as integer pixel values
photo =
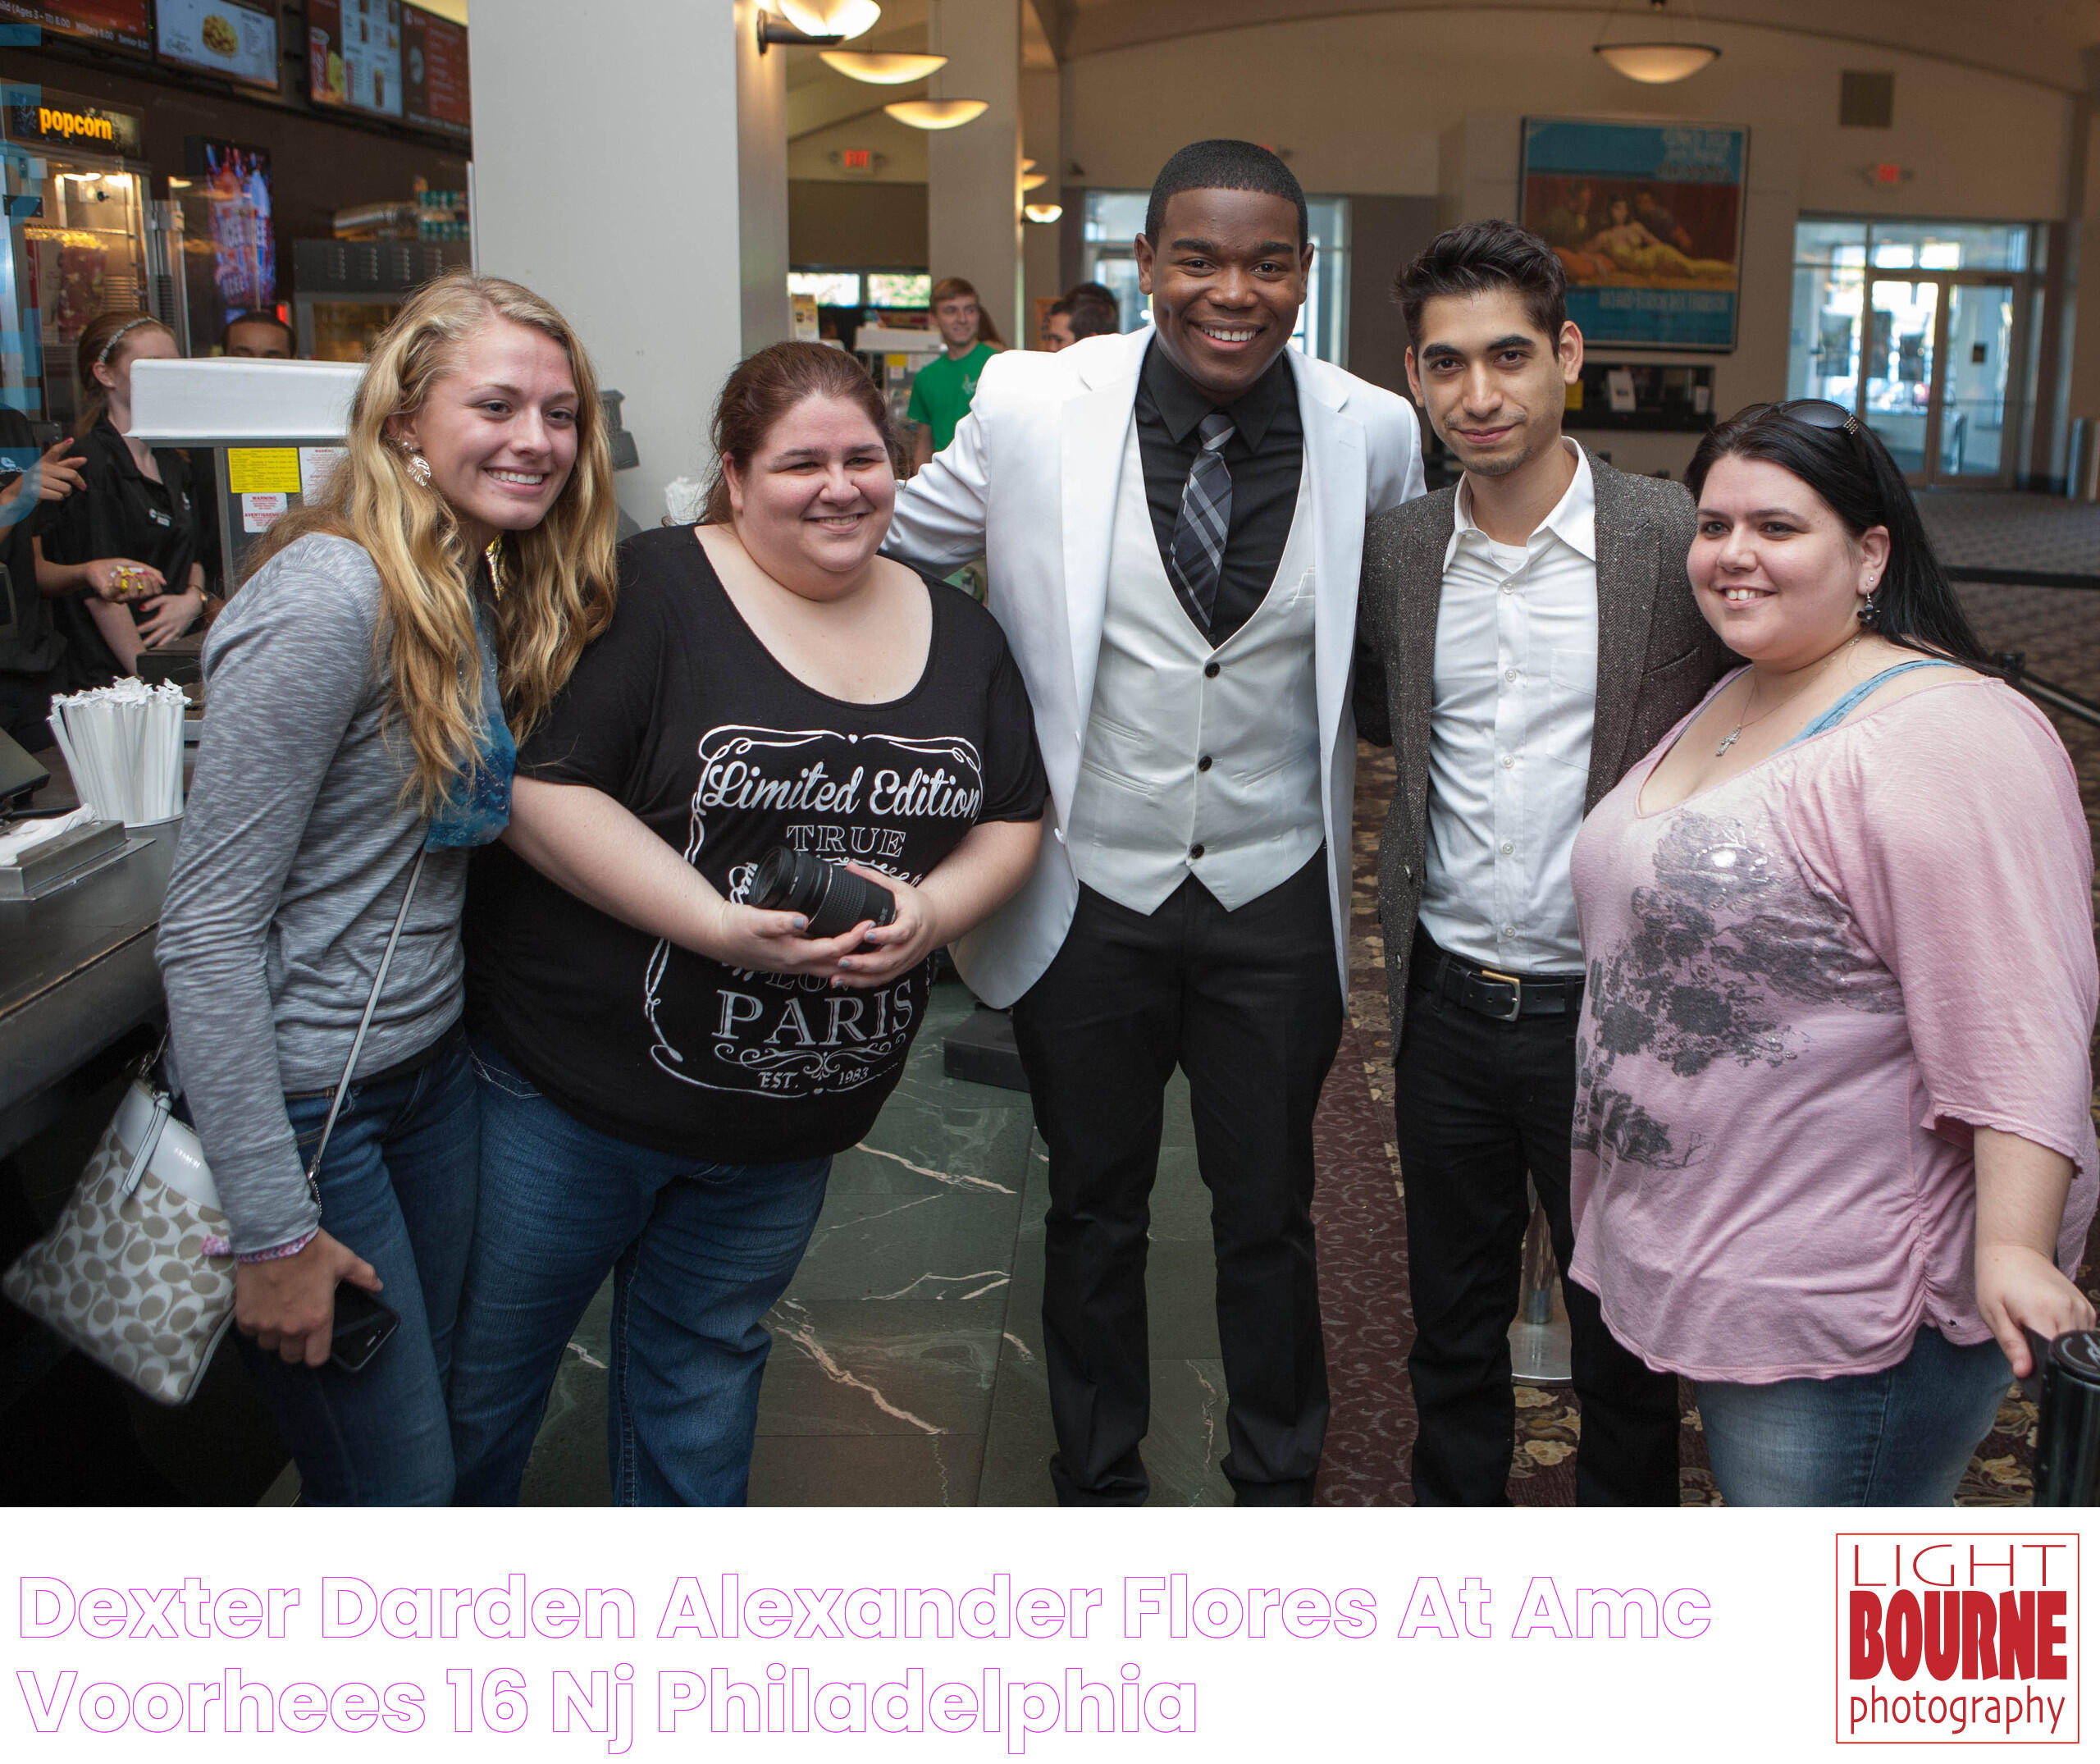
(754, 937)
(877, 956)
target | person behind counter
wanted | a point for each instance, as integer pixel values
(451, 573)
(34, 662)
(1833, 1141)
(127, 553)
(258, 336)
(668, 1069)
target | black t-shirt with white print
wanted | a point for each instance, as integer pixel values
(679, 713)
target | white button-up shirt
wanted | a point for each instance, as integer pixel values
(1514, 703)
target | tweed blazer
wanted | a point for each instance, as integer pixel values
(1656, 657)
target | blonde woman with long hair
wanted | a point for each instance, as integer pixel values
(367, 687)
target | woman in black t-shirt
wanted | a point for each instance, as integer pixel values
(127, 552)
(667, 1070)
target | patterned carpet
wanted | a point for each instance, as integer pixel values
(1362, 1243)
(2004, 530)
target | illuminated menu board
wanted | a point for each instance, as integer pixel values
(353, 54)
(224, 37)
(112, 24)
(434, 71)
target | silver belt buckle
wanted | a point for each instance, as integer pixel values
(1516, 986)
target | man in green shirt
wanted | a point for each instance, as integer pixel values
(941, 389)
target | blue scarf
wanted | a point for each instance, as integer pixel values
(478, 808)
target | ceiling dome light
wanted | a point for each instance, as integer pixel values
(1044, 213)
(1028, 165)
(937, 112)
(1032, 181)
(881, 69)
(1658, 64)
(1658, 59)
(842, 19)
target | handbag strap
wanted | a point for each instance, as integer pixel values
(364, 1023)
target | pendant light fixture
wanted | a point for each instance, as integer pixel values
(1655, 60)
(844, 20)
(876, 70)
(937, 112)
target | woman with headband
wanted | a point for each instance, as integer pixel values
(127, 551)
(1833, 1154)
(366, 686)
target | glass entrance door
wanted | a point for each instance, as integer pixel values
(1975, 364)
(1921, 326)
(1902, 317)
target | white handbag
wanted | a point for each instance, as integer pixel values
(138, 1273)
(127, 1275)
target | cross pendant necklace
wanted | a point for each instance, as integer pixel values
(1750, 697)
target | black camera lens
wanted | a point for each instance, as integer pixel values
(833, 898)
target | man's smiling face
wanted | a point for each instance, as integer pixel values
(1227, 277)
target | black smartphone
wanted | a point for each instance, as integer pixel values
(363, 1326)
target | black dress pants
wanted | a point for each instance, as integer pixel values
(1477, 1104)
(1249, 1004)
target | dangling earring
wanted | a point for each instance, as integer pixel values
(418, 466)
(1867, 606)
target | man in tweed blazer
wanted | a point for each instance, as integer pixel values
(1527, 636)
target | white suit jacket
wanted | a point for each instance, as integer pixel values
(1029, 483)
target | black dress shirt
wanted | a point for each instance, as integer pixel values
(123, 513)
(1266, 457)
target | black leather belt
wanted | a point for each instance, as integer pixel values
(1489, 991)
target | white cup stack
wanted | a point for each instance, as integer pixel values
(123, 745)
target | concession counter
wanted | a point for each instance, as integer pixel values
(77, 973)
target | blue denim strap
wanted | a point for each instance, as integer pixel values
(1850, 702)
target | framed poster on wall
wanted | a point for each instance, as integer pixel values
(1647, 220)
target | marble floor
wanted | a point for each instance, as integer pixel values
(907, 1367)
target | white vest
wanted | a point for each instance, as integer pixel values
(1147, 812)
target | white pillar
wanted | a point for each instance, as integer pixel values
(645, 192)
(973, 173)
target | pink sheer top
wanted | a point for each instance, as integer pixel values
(1807, 985)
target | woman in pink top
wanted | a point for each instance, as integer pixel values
(1833, 1141)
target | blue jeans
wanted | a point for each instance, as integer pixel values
(698, 1252)
(1900, 1438)
(398, 1187)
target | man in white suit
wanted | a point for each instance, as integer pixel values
(1173, 522)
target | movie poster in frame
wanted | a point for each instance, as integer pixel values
(1647, 220)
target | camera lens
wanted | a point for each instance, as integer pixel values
(831, 898)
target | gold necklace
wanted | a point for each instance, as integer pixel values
(494, 554)
(1750, 697)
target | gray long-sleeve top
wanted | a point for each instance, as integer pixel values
(290, 869)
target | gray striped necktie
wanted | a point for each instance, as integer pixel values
(1206, 517)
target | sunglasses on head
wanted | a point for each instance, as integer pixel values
(1820, 413)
